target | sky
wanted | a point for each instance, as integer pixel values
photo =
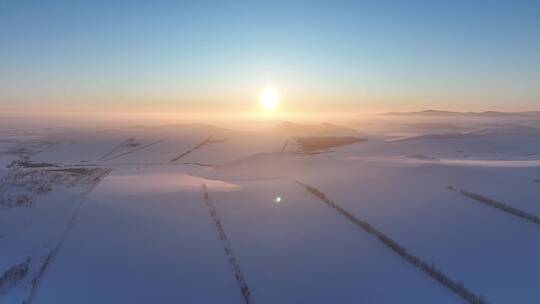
(364, 56)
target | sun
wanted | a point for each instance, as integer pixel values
(269, 98)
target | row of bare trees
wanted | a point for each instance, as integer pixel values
(498, 205)
(430, 269)
(244, 289)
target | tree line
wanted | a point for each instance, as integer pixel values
(430, 269)
(244, 289)
(498, 205)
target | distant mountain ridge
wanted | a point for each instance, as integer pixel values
(465, 114)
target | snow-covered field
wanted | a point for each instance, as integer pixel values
(390, 209)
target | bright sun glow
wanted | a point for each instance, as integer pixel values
(269, 98)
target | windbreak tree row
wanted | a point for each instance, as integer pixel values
(430, 269)
(244, 289)
(498, 205)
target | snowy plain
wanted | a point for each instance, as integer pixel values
(118, 214)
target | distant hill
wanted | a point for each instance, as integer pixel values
(292, 128)
(439, 113)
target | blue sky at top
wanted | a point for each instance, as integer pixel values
(368, 54)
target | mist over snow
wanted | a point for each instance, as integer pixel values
(392, 208)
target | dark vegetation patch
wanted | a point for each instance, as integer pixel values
(200, 164)
(13, 276)
(21, 184)
(314, 144)
(216, 141)
(131, 143)
(77, 171)
(26, 163)
(18, 187)
(316, 152)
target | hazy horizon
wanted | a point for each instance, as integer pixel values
(262, 152)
